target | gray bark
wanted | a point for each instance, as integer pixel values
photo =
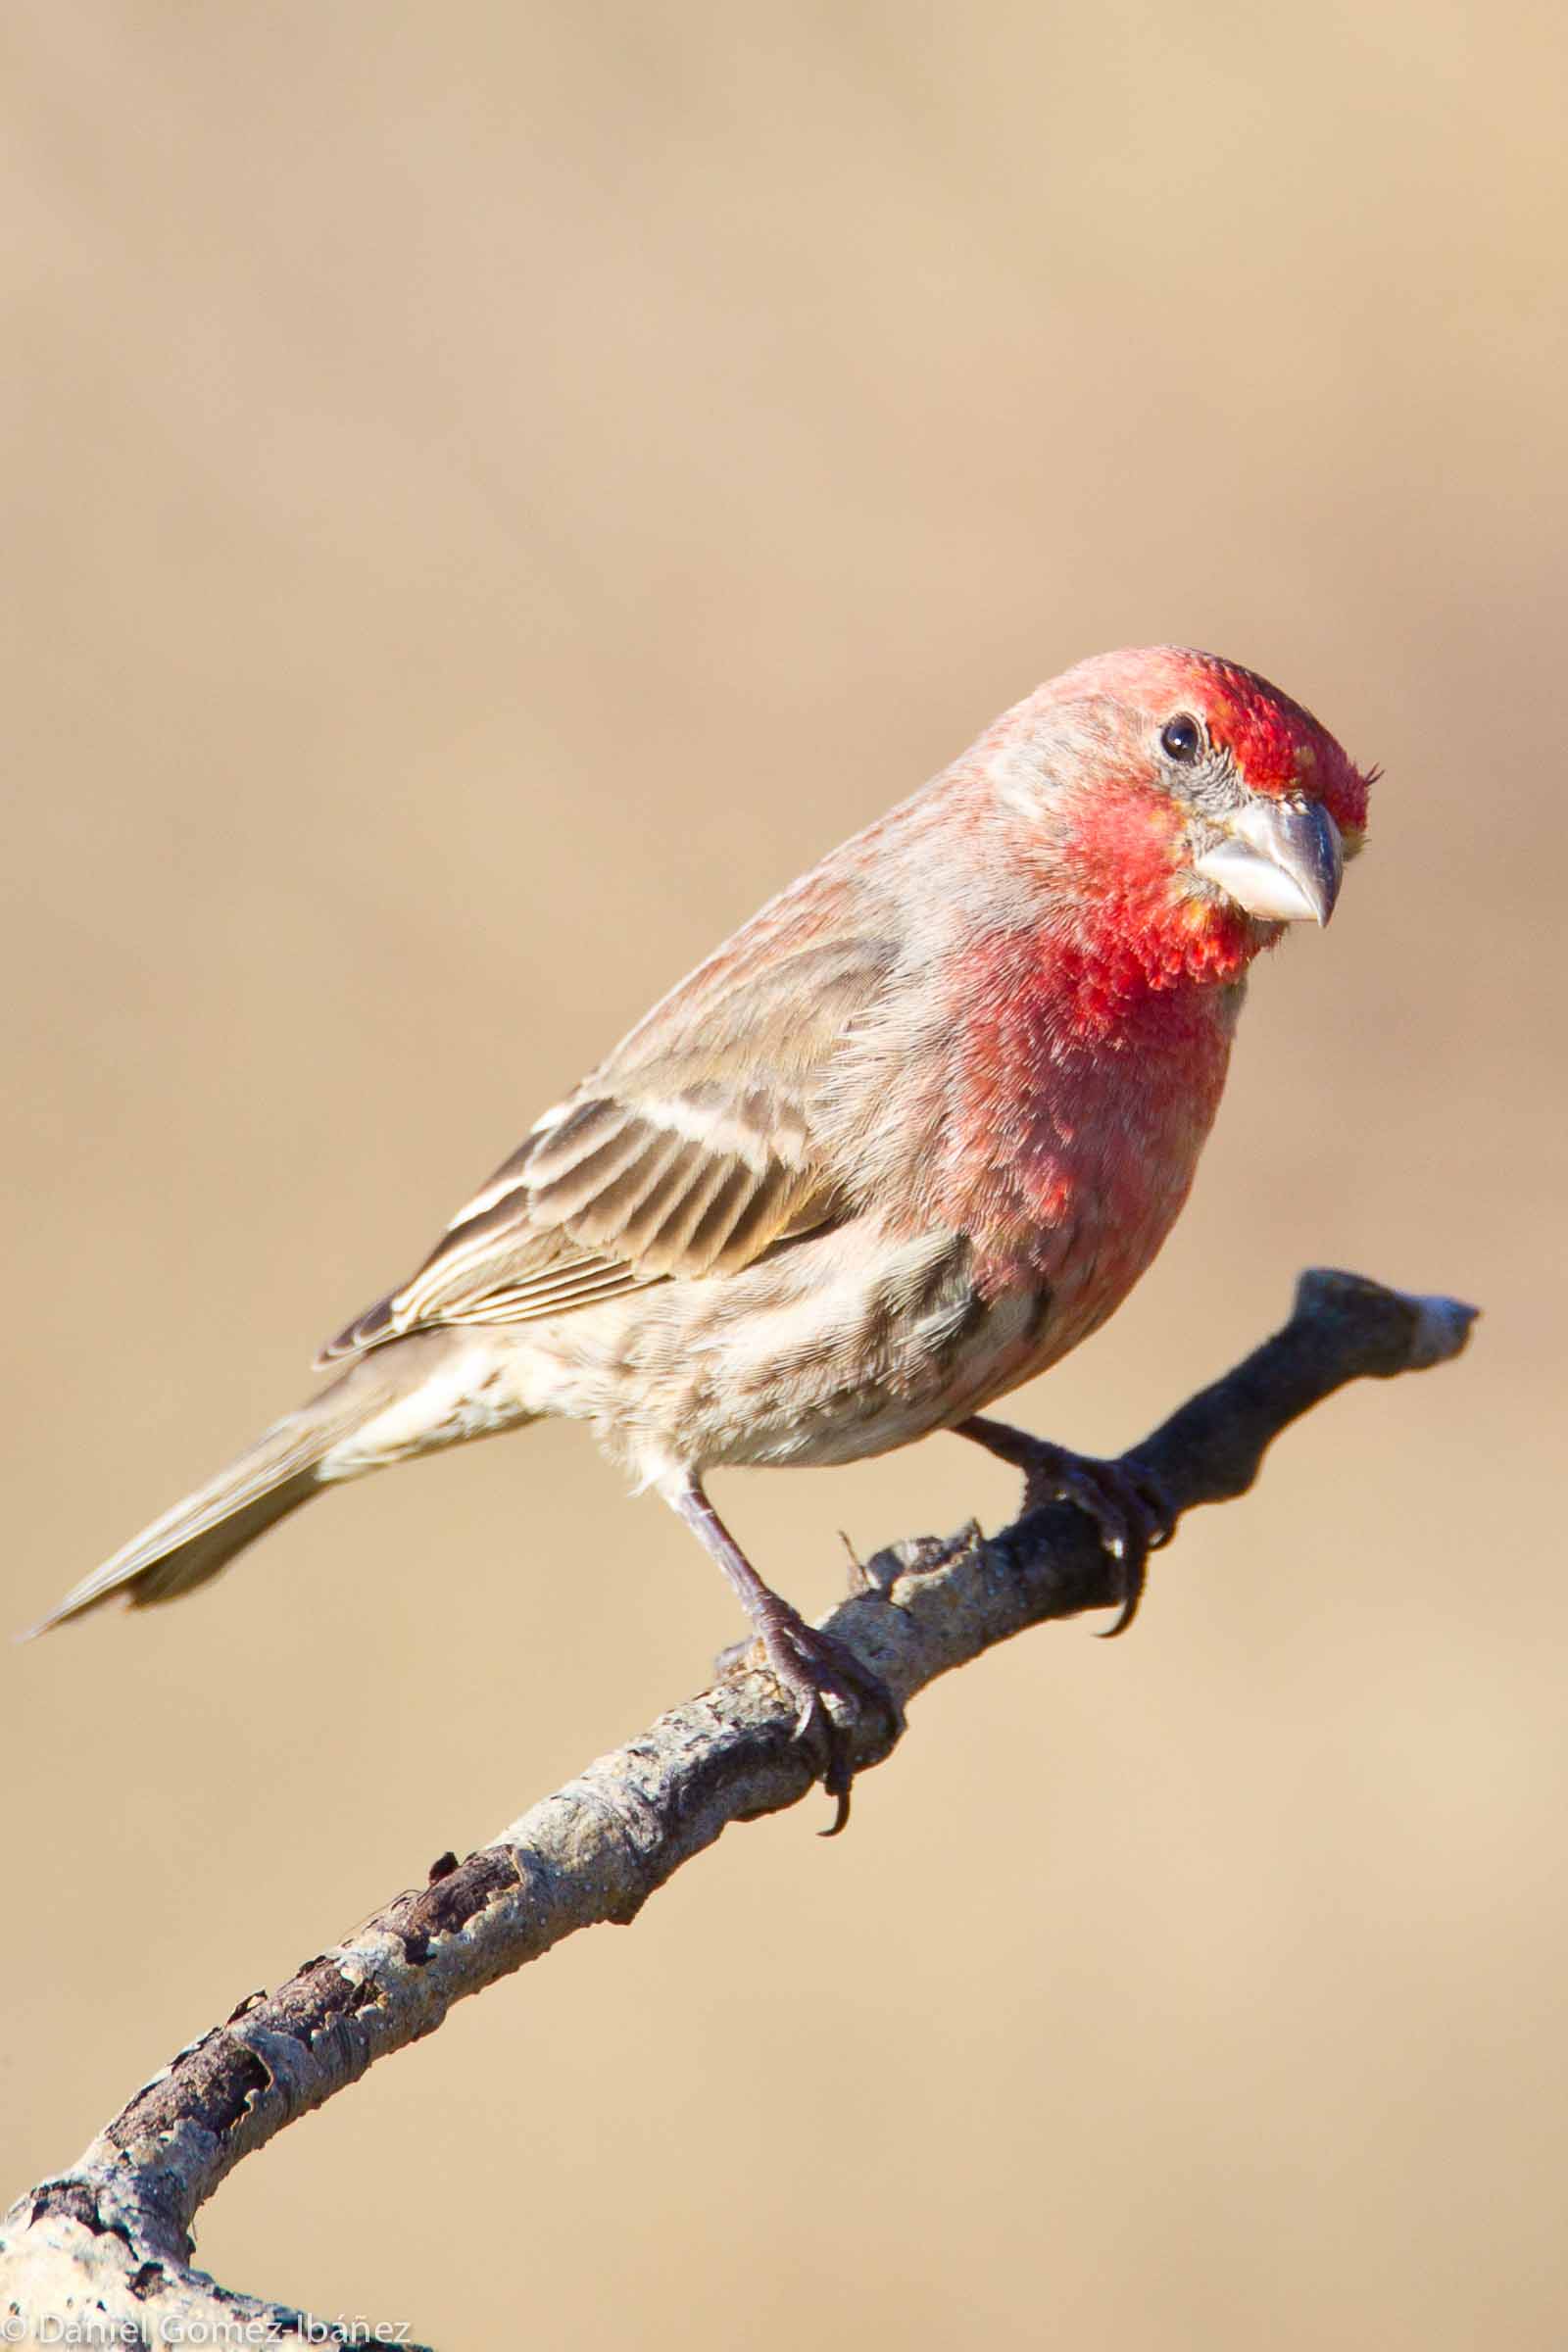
(107, 2243)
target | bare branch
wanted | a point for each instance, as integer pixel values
(109, 2241)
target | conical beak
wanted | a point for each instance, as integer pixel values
(1281, 860)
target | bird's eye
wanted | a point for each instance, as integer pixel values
(1181, 739)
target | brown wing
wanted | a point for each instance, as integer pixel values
(690, 1151)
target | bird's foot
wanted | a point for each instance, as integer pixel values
(1129, 1507)
(811, 1668)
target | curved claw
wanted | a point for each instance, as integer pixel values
(1131, 1510)
(813, 1667)
(841, 1814)
(1150, 1521)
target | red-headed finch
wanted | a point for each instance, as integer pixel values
(905, 1139)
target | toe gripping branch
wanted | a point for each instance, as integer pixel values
(1130, 1509)
(115, 2226)
(1342, 1327)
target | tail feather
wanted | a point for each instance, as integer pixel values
(202, 1533)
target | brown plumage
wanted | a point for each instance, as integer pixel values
(903, 1141)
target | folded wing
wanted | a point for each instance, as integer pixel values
(690, 1151)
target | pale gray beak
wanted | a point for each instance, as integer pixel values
(1281, 860)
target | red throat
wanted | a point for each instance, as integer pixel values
(1136, 931)
(1091, 1055)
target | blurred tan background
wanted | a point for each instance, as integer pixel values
(491, 492)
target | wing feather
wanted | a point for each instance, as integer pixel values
(693, 1149)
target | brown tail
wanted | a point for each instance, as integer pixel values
(282, 1470)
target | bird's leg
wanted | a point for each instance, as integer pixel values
(1129, 1507)
(810, 1666)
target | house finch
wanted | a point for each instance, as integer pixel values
(897, 1147)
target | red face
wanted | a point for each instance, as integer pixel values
(1216, 798)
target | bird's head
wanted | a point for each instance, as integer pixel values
(1190, 810)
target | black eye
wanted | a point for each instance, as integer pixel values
(1181, 738)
